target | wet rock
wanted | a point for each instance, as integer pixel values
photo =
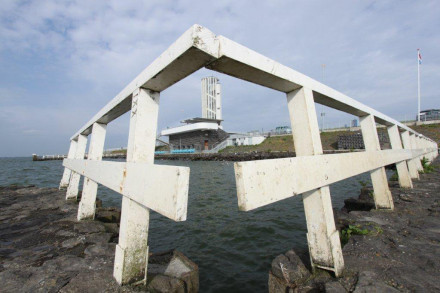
(108, 215)
(365, 201)
(86, 227)
(98, 237)
(72, 242)
(101, 249)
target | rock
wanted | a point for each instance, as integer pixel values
(98, 237)
(352, 204)
(112, 228)
(405, 197)
(369, 282)
(277, 285)
(89, 227)
(175, 265)
(98, 203)
(290, 268)
(334, 287)
(101, 249)
(108, 215)
(92, 282)
(72, 242)
(161, 283)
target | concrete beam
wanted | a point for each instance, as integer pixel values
(87, 205)
(263, 182)
(401, 167)
(197, 47)
(67, 172)
(382, 194)
(322, 236)
(72, 189)
(412, 167)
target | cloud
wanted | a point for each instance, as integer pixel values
(61, 61)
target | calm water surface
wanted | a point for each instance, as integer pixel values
(233, 249)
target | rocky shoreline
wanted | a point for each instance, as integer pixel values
(384, 251)
(44, 248)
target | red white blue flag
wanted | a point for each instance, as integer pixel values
(419, 56)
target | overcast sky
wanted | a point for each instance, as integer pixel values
(62, 61)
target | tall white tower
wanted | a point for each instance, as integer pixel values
(211, 98)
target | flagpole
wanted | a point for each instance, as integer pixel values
(418, 84)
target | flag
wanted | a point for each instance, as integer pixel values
(419, 56)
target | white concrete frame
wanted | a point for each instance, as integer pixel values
(258, 183)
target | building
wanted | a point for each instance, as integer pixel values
(429, 115)
(250, 138)
(197, 135)
(205, 133)
(211, 98)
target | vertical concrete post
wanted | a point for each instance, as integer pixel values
(401, 167)
(412, 167)
(131, 257)
(414, 146)
(87, 205)
(72, 189)
(322, 236)
(382, 194)
(66, 174)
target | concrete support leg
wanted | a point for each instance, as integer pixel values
(382, 194)
(131, 257)
(322, 236)
(412, 166)
(401, 167)
(72, 189)
(414, 146)
(87, 206)
(66, 174)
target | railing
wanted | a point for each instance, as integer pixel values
(164, 189)
(221, 145)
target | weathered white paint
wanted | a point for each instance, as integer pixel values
(401, 167)
(382, 195)
(412, 167)
(67, 172)
(414, 146)
(138, 182)
(322, 236)
(87, 205)
(263, 182)
(72, 189)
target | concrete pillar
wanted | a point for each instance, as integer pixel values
(412, 166)
(401, 167)
(414, 146)
(66, 175)
(86, 209)
(382, 194)
(72, 189)
(131, 257)
(322, 236)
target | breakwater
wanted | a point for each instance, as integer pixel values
(233, 157)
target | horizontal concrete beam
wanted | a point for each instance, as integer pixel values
(194, 49)
(167, 185)
(260, 183)
(198, 47)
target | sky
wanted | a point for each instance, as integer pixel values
(62, 61)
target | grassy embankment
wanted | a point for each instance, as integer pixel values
(329, 140)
